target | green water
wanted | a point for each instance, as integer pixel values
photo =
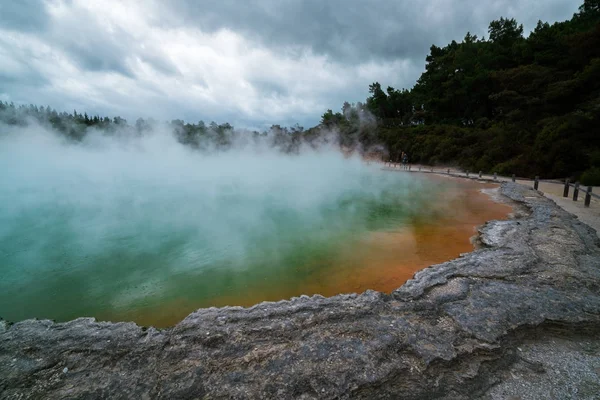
(107, 231)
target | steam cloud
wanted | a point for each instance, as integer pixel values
(120, 221)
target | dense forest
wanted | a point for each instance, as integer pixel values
(509, 104)
(506, 104)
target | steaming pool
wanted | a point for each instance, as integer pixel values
(152, 231)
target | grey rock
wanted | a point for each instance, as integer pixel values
(475, 327)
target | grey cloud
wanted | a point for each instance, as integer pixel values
(160, 64)
(270, 88)
(16, 69)
(94, 49)
(23, 15)
(99, 59)
(91, 46)
(85, 42)
(32, 78)
(353, 31)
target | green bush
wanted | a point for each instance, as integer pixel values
(484, 164)
(517, 166)
(591, 177)
(595, 157)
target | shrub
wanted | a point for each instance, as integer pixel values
(517, 166)
(591, 177)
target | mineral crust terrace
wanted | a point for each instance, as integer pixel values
(455, 331)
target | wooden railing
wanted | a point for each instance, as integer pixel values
(536, 181)
(588, 192)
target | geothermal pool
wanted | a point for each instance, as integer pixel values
(149, 231)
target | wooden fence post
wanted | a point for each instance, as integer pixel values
(576, 191)
(566, 191)
(513, 178)
(588, 196)
(536, 183)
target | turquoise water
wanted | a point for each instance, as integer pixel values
(138, 229)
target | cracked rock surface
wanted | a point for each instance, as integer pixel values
(518, 318)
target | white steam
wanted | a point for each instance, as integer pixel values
(78, 213)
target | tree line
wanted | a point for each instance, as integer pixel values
(200, 136)
(506, 104)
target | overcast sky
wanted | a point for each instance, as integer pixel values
(250, 63)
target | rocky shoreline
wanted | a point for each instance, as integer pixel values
(510, 320)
